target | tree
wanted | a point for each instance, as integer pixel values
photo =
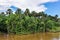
(56, 17)
(3, 27)
(27, 12)
(33, 13)
(9, 11)
(18, 11)
(2, 13)
(28, 23)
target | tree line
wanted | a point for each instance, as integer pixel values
(27, 22)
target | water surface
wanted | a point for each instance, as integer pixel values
(37, 36)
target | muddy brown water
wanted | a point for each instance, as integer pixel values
(37, 36)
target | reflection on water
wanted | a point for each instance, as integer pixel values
(38, 36)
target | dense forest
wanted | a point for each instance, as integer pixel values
(27, 22)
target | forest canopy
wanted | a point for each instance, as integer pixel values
(28, 22)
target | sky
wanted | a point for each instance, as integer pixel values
(51, 7)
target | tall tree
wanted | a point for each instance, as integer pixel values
(27, 12)
(18, 11)
(33, 13)
(9, 11)
(56, 17)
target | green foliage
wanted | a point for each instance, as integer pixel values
(3, 27)
(33, 22)
(18, 11)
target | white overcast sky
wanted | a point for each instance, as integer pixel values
(23, 4)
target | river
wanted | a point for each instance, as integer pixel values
(37, 36)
